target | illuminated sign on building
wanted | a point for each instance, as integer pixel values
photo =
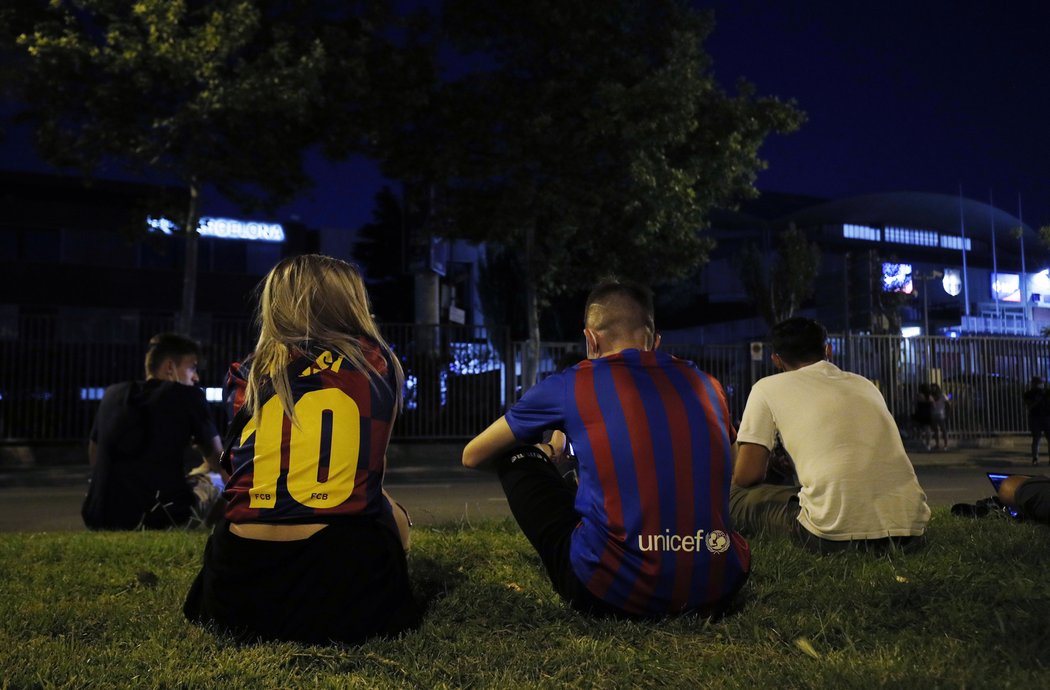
(1006, 287)
(1039, 283)
(226, 229)
(896, 278)
(952, 281)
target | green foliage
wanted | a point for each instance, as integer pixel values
(780, 291)
(104, 610)
(1044, 235)
(591, 137)
(227, 93)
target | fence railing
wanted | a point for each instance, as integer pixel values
(459, 378)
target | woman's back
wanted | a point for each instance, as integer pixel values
(330, 462)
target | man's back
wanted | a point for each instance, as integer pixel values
(142, 431)
(653, 438)
(857, 480)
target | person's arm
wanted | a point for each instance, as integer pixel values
(752, 461)
(491, 443)
(211, 451)
(92, 453)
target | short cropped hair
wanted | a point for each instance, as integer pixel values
(799, 340)
(620, 308)
(168, 346)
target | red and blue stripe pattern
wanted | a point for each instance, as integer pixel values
(654, 439)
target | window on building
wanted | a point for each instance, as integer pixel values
(953, 242)
(922, 238)
(860, 232)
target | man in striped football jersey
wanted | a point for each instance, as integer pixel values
(647, 531)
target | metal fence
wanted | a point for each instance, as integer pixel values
(984, 377)
(730, 364)
(459, 378)
(54, 371)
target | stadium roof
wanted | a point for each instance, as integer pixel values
(921, 210)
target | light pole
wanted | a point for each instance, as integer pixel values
(931, 275)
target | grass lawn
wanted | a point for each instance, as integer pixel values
(82, 610)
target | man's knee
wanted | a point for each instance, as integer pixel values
(526, 464)
(763, 507)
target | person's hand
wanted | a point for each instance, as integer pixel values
(558, 445)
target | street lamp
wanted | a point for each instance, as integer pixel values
(931, 275)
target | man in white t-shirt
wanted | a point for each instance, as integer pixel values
(858, 486)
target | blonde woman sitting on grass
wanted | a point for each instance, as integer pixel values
(312, 548)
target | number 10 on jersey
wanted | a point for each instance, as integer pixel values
(329, 428)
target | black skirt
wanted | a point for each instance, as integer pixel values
(346, 583)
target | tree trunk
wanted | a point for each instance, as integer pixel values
(189, 266)
(531, 365)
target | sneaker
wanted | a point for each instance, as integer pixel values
(969, 510)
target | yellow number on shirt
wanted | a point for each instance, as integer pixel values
(315, 410)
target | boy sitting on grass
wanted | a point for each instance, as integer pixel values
(138, 444)
(647, 531)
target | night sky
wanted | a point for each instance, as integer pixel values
(900, 96)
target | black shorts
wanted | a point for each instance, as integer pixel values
(346, 583)
(543, 504)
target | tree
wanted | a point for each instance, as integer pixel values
(590, 138)
(381, 249)
(779, 292)
(226, 94)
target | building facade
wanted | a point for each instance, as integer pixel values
(954, 266)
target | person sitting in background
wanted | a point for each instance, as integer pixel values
(858, 487)
(311, 549)
(646, 531)
(138, 445)
(1029, 496)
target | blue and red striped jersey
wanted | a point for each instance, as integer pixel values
(327, 465)
(653, 437)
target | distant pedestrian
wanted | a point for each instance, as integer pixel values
(922, 417)
(1037, 401)
(939, 405)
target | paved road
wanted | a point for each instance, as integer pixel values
(442, 494)
(57, 508)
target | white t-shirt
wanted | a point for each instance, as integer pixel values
(857, 481)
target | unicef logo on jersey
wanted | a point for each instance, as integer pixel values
(717, 541)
